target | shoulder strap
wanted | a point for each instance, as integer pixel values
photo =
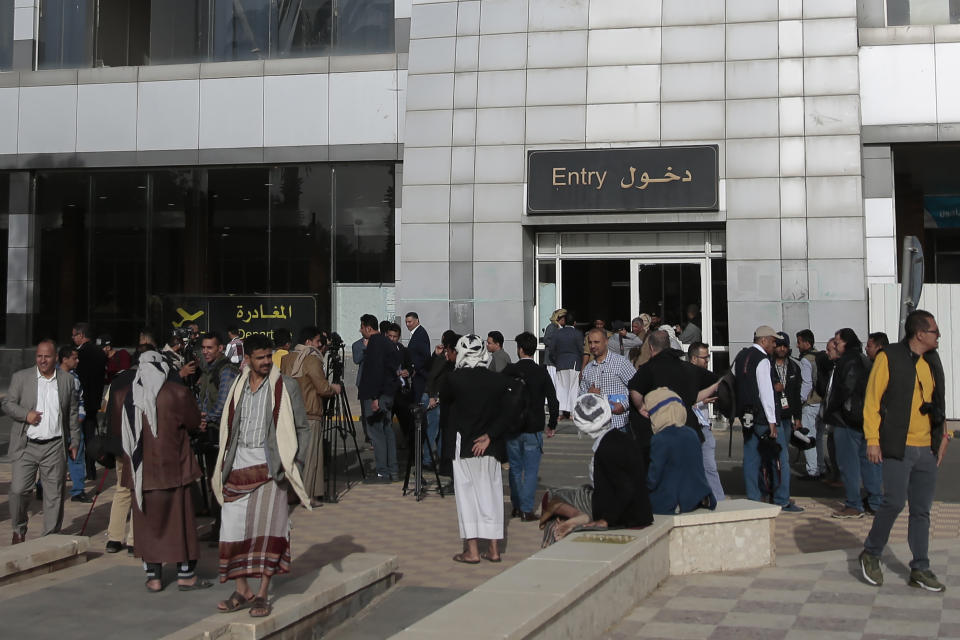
(277, 397)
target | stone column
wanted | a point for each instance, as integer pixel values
(21, 262)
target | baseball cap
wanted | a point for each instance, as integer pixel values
(765, 331)
(783, 340)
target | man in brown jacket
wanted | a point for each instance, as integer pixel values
(156, 418)
(305, 365)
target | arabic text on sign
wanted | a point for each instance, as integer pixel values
(590, 178)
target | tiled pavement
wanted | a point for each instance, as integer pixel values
(807, 596)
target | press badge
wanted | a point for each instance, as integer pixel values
(783, 402)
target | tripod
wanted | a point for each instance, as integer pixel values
(415, 457)
(337, 430)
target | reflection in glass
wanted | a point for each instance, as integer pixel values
(240, 30)
(123, 33)
(178, 31)
(364, 222)
(547, 290)
(718, 283)
(6, 35)
(65, 38)
(301, 28)
(238, 240)
(176, 263)
(365, 26)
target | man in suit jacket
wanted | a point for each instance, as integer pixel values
(91, 369)
(526, 446)
(567, 353)
(44, 408)
(419, 347)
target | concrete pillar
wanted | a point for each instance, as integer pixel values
(21, 262)
(24, 34)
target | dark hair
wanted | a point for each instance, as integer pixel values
(282, 337)
(369, 320)
(232, 329)
(309, 333)
(84, 328)
(393, 326)
(879, 338)
(384, 326)
(211, 335)
(146, 346)
(527, 343)
(149, 333)
(694, 348)
(449, 339)
(917, 321)
(174, 340)
(570, 318)
(850, 340)
(659, 340)
(65, 352)
(496, 336)
(806, 335)
(255, 342)
(412, 314)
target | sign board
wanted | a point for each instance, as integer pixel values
(641, 179)
(250, 313)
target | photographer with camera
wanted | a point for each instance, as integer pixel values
(903, 421)
(305, 365)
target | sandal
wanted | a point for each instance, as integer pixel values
(196, 586)
(147, 585)
(235, 602)
(461, 558)
(260, 604)
(489, 558)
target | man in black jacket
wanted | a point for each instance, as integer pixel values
(377, 387)
(91, 369)
(525, 447)
(786, 379)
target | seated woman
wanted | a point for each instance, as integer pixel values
(676, 479)
(617, 496)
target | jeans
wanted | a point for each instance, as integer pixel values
(78, 470)
(523, 452)
(709, 450)
(433, 430)
(751, 464)
(854, 467)
(814, 456)
(912, 479)
(384, 440)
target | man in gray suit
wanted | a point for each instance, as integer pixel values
(42, 403)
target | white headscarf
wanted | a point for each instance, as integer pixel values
(674, 340)
(142, 400)
(591, 414)
(472, 352)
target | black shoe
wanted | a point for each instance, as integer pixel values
(81, 497)
(39, 492)
(515, 513)
(114, 547)
(529, 516)
(131, 552)
(809, 478)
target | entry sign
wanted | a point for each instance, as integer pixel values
(616, 180)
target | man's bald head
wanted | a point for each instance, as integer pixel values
(659, 341)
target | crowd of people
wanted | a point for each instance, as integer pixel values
(243, 417)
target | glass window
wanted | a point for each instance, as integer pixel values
(62, 204)
(241, 29)
(65, 39)
(6, 35)
(238, 240)
(363, 203)
(175, 260)
(118, 264)
(178, 31)
(301, 28)
(364, 26)
(123, 33)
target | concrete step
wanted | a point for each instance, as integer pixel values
(41, 555)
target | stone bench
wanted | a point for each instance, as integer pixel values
(585, 583)
(41, 555)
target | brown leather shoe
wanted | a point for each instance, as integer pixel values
(528, 516)
(17, 538)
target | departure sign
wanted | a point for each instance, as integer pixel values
(641, 179)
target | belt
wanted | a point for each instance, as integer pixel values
(46, 441)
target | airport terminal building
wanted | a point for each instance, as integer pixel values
(480, 161)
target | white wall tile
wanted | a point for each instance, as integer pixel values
(402, 8)
(753, 158)
(754, 280)
(500, 126)
(426, 203)
(752, 79)
(500, 164)
(107, 117)
(832, 37)
(465, 87)
(829, 8)
(756, 239)
(793, 197)
(693, 44)
(499, 203)
(468, 53)
(618, 122)
(465, 126)
(831, 76)
(791, 9)
(23, 22)
(497, 281)
(751, 11)
(296, 110)
(434, 20)
(791, 116)
(432, 55)
(791, 77)
(692, 12)
(363, 108)
(498, 52)
(168, 115)
(752, 41)
(425, 243)
(881, 257)
(468, 17)
(623, 46)
(503, 16)
(898, 84)
(501, 88)
(556, 86)
(429, 128)
(792, 154)
(791, 39)
(833, 155)
(497, 242)
(832, 115)
(692, 81)
(636, 83)
(793, 239)
(691, 120)
(231, 113)
(879, 219)
(753, 198)
(556, 124)
(9, 119)
(948, 89)
(550, 15)
(624, 13)
(428, 165)
(835, 237)
(462, 164)
(48, 119)
(557, 49)
(752, 118)
(834, 196)
(825, 285)
(432, 91)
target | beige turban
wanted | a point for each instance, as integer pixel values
(666, 409)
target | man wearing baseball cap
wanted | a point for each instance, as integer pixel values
(757, 411)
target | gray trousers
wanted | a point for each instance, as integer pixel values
(51, 460)
(912, 480)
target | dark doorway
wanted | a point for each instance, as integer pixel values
(596, 289)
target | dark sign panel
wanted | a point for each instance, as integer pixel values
(251, 314)
(616, 180)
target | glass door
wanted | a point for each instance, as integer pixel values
(674, 291)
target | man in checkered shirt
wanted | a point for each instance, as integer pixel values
(607, 373)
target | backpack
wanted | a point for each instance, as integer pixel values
(516, 402)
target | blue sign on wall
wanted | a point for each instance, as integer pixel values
(941, 211)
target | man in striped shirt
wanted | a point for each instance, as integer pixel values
(607, 374)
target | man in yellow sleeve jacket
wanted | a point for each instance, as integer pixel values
(903, 417)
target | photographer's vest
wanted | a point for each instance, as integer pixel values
(745, 374)
(897, 401)
(209, 383)
(814, 397)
